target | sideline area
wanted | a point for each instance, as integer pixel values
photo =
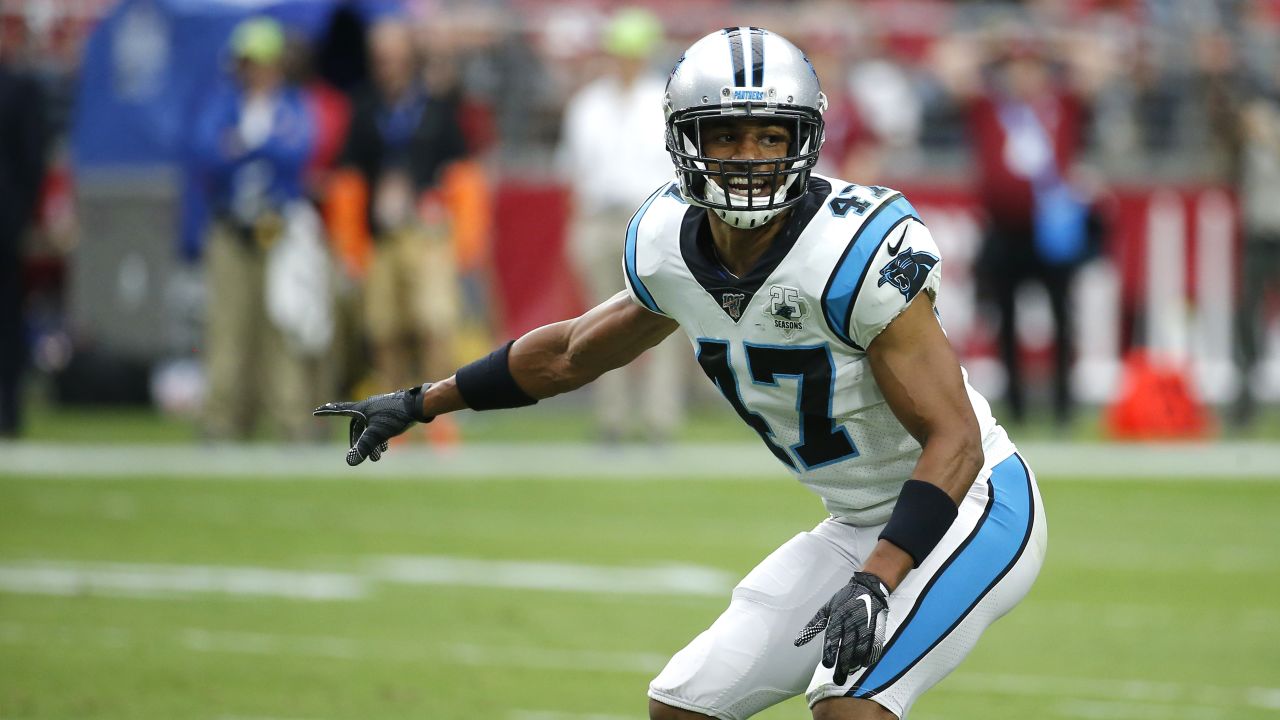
(1254, 461)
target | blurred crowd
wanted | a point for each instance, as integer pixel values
(350, 178)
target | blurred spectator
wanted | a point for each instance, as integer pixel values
(885, 94)
(323, 185)
(401, 140)
(22, 158)
(252, 142)
(1260, 259)
(1027, 128)
(612, 153)
(1214, 98)
(1163, 73)
(329, 108)
(340, 55)
(852, 151)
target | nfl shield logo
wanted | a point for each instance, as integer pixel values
(732, 304)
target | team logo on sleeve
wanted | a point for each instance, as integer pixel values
(907, 271)
(787, 309)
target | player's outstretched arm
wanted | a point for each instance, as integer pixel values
(550, 360)
(565, 356)
(555, 358)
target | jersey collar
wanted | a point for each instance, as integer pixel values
(696, 246)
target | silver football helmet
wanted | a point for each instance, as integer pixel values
(744, 72)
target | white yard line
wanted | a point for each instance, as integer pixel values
(1268, 698)
(1253, 461)
(141, 580)
(672, 579)
(163, 581)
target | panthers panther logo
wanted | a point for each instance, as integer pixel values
(908, 271)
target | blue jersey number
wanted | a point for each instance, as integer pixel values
(822, 441)
(844, 201)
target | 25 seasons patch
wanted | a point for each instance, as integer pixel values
(787, 309)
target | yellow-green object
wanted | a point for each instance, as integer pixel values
(633, 33)
(259, 39)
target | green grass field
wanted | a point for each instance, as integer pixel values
(234, 599)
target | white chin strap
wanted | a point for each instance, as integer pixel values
(715, 194)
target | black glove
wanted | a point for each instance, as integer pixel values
(855, 619)
(377, 419)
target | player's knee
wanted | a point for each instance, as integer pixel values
(660, 711)
(842, 708)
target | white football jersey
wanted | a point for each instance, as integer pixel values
(786, 344)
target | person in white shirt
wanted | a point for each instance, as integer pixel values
(625, 102)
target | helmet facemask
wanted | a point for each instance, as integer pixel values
(764, 187)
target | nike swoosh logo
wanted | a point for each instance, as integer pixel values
(867, 601)
(893, 249)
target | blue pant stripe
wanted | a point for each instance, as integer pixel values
(969, 574)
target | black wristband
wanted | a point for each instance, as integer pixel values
(487, 384)
(413, 403)
(921, 517)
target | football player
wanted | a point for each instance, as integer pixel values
(810, 303)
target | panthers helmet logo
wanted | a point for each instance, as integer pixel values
(908, 271)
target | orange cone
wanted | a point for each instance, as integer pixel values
(1156, 402)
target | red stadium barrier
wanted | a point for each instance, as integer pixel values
(1135, 303)
(532, 283)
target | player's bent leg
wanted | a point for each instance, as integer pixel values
(662, 711)
(980, 570)
(844, 708)
(747, 660)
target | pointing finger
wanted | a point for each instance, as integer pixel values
(335, 408)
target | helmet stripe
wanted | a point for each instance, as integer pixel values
(757, 56)
(735, 54)
(748, 76)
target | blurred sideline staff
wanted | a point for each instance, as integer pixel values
(252, 142)
(400, 140)
(22, 159)
(1027, 130)
(1260, 256)
(625, 102)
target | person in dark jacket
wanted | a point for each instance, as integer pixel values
(22, 163)
(1027, 131)
(401, 138)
